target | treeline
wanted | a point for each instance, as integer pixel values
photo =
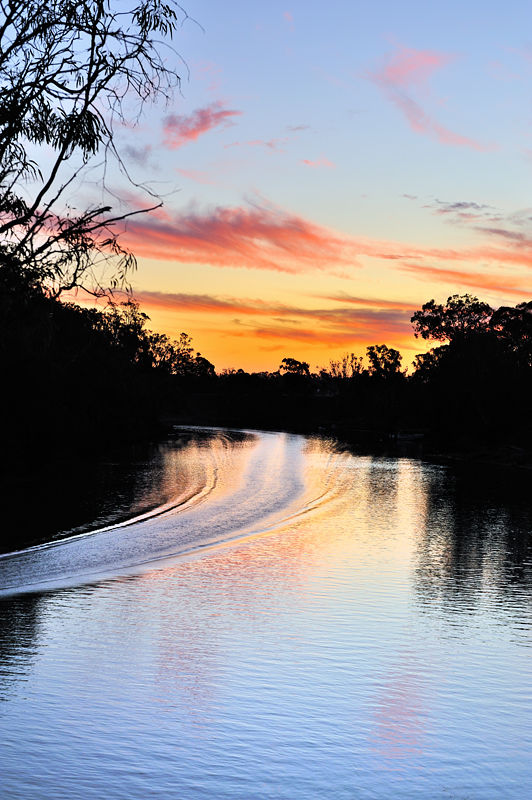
(472, 389)
(476, 384)
(80, 378)
(76, 378)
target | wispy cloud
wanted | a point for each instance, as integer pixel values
(371, 302)
(339, 326)
(290, 20)
(518, 239)
(511, 229)
(181, 129)
(256, 237)
(267, 237)
(405, 73)
(197, 175)
(271, 144)
(211, 304)
(463, 211)
(210, 72)
(320, 162)
(505, 285)
(139, 155)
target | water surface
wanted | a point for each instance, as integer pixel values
(278, 618)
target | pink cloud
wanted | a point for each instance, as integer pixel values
(506, 285)
(370, 302)
(255, 237)
(181, 129)
(289, 18)
(321, 162)
(197, 175)
(208, 70)
(268, 237)
(402, 73)
(406, 67)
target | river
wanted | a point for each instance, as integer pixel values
(265, 616)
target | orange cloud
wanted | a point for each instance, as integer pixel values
(505, 285)
(406, 70)
(181, 129)
(343, 297)
(351, 337)
(336, 327)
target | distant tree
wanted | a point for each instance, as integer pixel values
(347, 366)
(293, 367)
(69, 69)
(203, 368)
(383, 361)
(461, 315)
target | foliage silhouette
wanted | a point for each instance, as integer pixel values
(291, 366)
(477, 385)
(384, 361)
(69, 71)
(76, 378)
(461, 315)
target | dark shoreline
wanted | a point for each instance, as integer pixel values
(407, 442)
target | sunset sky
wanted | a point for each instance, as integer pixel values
(328, 168)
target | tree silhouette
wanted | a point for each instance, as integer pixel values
(513, 328)
(69, 70)
(292, 366)
(461, 315)
(383, 360)
(345, 367)
(478, 384)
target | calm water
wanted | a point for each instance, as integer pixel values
(280, 619)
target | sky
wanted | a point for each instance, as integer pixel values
(327, 169)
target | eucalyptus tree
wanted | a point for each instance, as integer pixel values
(70, 71)
(462, 315)
(384, 361)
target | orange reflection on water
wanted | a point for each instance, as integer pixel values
(355, 521)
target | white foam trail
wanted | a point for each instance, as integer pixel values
(242, 489)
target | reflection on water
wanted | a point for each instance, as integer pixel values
(401, 710)
(19, 620)
(359, 627)
(476, 547)
(69, 497)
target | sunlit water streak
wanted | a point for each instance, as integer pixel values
(293, 622)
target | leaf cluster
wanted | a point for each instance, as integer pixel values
(69, 72)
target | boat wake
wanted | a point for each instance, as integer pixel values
(233, 489)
